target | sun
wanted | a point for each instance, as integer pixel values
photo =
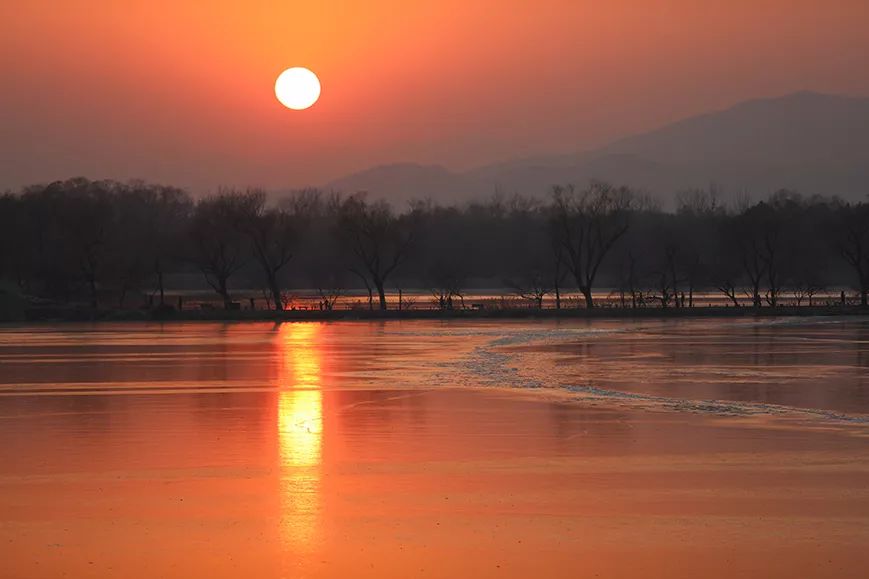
(297, 88)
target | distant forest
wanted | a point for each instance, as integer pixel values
(118, 245)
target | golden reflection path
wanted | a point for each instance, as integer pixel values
(300, 432)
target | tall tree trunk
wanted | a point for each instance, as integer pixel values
(586, 292)
(92, 283)
(665, 293)
(675, 286)
(275, 288)
(557, 294)
(381, 294)
(160, 286)
(224, 292)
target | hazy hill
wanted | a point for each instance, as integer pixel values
(810, 142)
(400, 182)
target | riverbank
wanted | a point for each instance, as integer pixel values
(55, 314)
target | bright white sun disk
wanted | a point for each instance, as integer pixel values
(297, 88)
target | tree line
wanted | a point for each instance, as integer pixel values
(102, 242)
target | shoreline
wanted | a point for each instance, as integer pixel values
(86, 315)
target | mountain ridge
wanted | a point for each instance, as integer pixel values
(807, 141)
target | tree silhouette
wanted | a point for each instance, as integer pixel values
(853, 243)
(218, 239)
(586, 224)
(378, 240)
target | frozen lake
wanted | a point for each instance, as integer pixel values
(714, 448)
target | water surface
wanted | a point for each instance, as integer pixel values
(682, 448)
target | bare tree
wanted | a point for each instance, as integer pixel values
(665, 292)
(446, 279)
(806, 288)
(534, 286)
(150, 223)
(168, 211)
(379, 240)
(586, 224)
(331, 284)
(559, 272)
(747, 236)
(728, 288)
(329, 296)
(628, 280)
(273, 233)
(87, 224)
(699, 202)
(9, 217)
(218, 239)
(853, 243)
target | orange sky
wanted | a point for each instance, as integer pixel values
(182, 91)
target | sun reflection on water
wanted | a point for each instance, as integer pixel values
(300, 432)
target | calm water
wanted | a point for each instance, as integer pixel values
(678, 448)
(813, 363)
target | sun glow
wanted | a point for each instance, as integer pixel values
(297, 88)
(300, 432)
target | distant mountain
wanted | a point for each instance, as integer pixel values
(401, 182)
(810, 142)
(802, 127)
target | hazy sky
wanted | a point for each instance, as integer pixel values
(182, 91)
